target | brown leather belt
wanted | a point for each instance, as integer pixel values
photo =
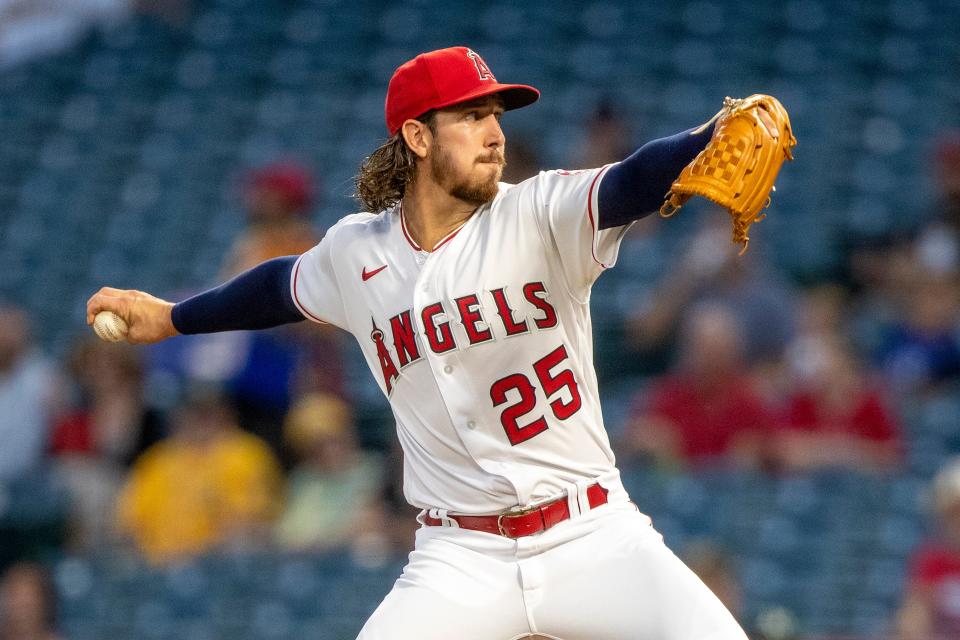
(516, 524)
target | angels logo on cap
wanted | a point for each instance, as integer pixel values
(482, 69)
(443, 78)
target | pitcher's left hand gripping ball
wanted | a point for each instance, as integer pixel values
(739, 165)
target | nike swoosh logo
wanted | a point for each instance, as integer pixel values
(366, 275)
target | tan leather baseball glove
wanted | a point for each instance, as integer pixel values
(738, 167)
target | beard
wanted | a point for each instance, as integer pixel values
(474, 190)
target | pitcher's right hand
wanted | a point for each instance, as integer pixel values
(148, 318)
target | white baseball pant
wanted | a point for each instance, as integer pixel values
(602, 575)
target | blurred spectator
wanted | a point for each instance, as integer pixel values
(333, 492)
(834, 417)
(880, 276)
(706, 410)
(919, 348)
(32, 501)
(715, 568)
(109, 416)
(275, 365)
(278, 365)
(107, 428)
(821, 315)
(209, 484)
(28, 604)
(606, 138)
(28, 395)
(931, 605)
(263, 370)
(711, 271)
(948, 178)
(938, 242)
(278, 199)
(922, 349)
(779, 623)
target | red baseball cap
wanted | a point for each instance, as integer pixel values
(445, 77)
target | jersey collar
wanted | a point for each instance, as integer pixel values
(447, 238)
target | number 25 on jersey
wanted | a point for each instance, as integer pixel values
(552, 384)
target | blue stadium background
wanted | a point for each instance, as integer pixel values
(118, 154)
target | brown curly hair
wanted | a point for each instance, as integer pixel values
(385, 173)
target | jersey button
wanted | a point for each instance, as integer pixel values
(471, 425)
(448, 369)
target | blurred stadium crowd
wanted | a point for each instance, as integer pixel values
(789, 418)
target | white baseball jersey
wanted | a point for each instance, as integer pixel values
(483, 346)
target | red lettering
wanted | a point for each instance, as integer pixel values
(554, 383)
(509, 418)
(404, 338)
(469, 307)
(530, 292)
(527, 399)
(506, 314)
(439, 336)
(387, 367)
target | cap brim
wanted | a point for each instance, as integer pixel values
(514, 95)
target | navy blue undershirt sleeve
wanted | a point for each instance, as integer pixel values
(635, 187)
(259, 298)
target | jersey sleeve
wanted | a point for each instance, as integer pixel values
(315, 287)
(567, 214)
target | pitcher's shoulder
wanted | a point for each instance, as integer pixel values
(361, 225)
(511, 191)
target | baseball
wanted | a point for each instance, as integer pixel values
(109, 326)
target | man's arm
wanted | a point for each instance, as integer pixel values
(256, 299)
(636, 187)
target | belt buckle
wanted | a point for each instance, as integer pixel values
(520, 511)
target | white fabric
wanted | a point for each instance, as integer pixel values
(443, 517)
(537, 245)
(604, 576)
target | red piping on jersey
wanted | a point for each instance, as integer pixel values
(593, 225)
(450, 237)
(403, 226)
(406, 234)
(296, 299)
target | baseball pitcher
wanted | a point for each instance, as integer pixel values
(470, 300)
